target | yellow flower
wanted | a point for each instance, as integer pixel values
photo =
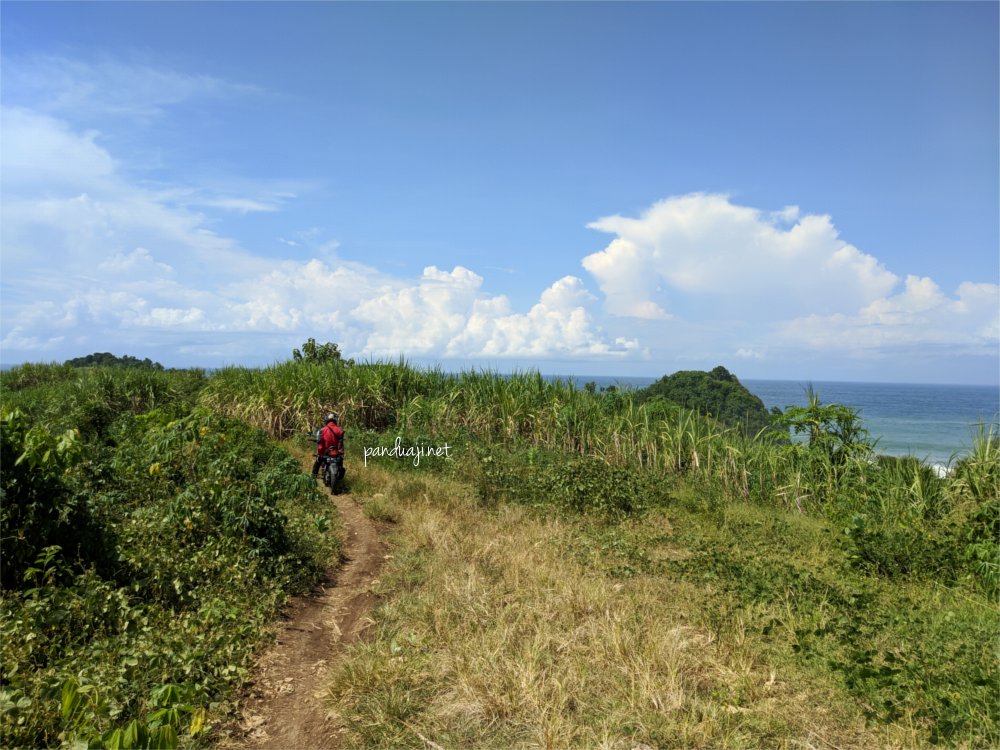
(154, 470)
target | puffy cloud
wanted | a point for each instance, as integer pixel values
(138, 261)
(702, 247)
(623, 273)
(301, 299)
(446, 314)
(558, 325)
(919, 315)
(171, 317)
(754, 285)
(441, 314)
(421, 318)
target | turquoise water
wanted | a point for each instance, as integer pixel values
(935, 423)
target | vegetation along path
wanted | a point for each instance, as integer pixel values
(285, 707)
(582, 570)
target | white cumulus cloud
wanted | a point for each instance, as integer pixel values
(921, 314)
(754, 284)
(704, 247)
(445, 313)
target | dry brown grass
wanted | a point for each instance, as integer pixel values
(491, 635)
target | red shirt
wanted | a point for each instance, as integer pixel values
(331, 440)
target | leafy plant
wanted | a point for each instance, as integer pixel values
(141, 551)
(38, 508)
(833, 431)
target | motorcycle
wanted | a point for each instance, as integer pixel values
(333, 473)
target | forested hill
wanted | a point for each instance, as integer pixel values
(718, 394)
(107, 359)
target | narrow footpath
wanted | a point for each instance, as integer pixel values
(284, 709)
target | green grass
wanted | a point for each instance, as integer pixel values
(145, 557)
(910, 652)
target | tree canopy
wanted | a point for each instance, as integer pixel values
(313, 352)
(718, 394)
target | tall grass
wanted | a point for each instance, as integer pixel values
(35, 373)
(291, 397)
(901, 504)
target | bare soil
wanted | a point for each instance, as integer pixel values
(284, 707)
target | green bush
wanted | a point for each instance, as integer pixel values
(92, 399)
(38, 507)
(575, 483)
(980, 544)
(894, 548)
(143, 557)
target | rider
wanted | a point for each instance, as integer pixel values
(331, 443)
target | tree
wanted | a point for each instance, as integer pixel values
(311, 352)
(834, 431)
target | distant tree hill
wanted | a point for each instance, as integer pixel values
(718, 394)
(107, 359)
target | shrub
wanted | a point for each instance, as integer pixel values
(38, 507)
(146, 555)
(576, 483)
(895, 548)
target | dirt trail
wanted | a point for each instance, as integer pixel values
(285, 710)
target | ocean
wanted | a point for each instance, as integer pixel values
(935, 423)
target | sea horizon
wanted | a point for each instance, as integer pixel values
(936, 423)
(649, 379)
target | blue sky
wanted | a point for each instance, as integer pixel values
(791, 190)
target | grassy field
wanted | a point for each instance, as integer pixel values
(583, 570)
(513, 625)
